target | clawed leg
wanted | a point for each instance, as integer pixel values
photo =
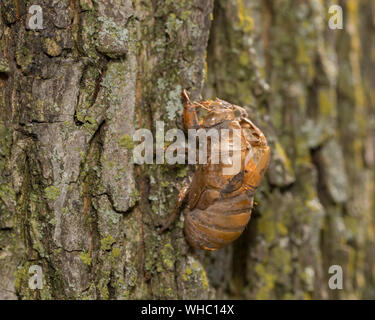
(190, 112)
(180, 200)
(190, 121)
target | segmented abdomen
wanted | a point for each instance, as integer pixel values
(220, 223)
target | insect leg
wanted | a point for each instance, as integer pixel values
(180, 200)
(190, 112)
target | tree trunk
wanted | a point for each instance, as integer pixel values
(73, 94)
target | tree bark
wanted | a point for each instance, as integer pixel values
(73, 94)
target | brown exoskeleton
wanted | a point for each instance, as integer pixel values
(219, 206)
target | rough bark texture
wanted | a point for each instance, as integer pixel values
(72, 95)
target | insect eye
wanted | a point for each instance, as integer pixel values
(237, 113)
(203, 112)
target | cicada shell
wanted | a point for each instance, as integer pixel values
(219, 206)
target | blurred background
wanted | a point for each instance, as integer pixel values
(312, 92)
